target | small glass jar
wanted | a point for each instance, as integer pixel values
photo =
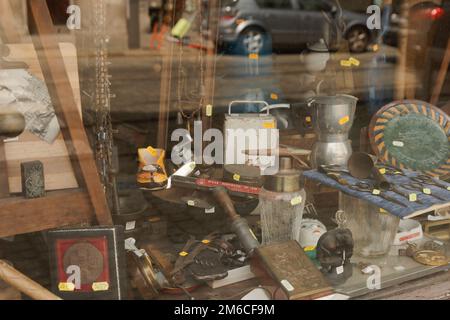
(281, 215)
(282, 203)
(373, 228)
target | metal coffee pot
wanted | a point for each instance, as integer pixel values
(333, 118)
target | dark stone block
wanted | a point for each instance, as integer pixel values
(33, 180)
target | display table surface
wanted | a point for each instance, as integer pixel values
(413, 209)
(394, 270)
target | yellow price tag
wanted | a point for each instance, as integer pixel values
(66, 286)
(100, 286)
(344, 120)
(209, 110)
(308, 119)
(184, 254)
(346, 63)
(309, 249)
(237, 177)
(354, 62)
(206, 241)
(269, 125)
(413, 197)
(427, 191)
(376, 192)
(296, 201)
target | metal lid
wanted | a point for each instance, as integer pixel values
(286, 180)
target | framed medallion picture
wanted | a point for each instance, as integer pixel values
(88, 263)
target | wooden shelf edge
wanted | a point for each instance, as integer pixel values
(56, 209)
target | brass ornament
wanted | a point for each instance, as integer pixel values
(430, 258)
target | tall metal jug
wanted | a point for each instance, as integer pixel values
(333, 118)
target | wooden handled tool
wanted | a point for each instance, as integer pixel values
(24, 284)
(238, 224)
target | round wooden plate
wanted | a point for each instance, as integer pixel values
(412, 134)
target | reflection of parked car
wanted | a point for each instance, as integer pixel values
(422, 17)
(430, 42)
(251, 26)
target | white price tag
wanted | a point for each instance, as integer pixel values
(340, 270)
(287, 285)
(399, 144)
(191, 203)
(211, 210)
(131, 225)
(367, 270)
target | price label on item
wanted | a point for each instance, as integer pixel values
(269, 125)
(296, 201)
(344, 120)
(66, 287)
(191, 203)
(100, 286)
(209, 110)
(346, 63)
(354, 62)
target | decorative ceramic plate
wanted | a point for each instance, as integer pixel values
(412, 134)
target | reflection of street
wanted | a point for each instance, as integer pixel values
(237, 77)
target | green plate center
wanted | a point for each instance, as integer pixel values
(417, 141)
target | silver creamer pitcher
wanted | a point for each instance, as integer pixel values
(333, 118)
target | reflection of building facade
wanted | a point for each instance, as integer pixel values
(129, 19)
(118, 13)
